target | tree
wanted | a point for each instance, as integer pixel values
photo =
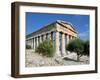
(45, 48)
(86, 48)
(76, 46)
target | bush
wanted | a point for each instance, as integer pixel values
(78, 46)
(86, 48)
(45, 48)
(28, 47)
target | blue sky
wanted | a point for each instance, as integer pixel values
(35, 21)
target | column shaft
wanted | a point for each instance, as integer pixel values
(49, 36)
(57, 45)
(37, 41)
(34, 43)
(67, 39)
(44, 37)
(63, 45)
(31, 43)
(40, 39)
(71, 37)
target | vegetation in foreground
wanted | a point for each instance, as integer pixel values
(78, 46)
(45, 48)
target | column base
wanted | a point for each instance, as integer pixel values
(57, 54)
(64, 54)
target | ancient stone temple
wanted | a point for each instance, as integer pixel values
(60, 32)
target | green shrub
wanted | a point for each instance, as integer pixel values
(86, 48)
(77, 46)
(28, 47)
(45, 48)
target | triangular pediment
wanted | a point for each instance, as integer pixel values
(66, 24)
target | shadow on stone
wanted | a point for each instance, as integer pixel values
(69, 59)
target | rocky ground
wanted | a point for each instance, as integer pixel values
(37, 60)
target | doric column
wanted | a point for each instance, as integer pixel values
(37, 40)
(40, 39)
(57, 44)
(34, 43)
(67, 39)
(49, 36)
(71, 37)
(44, 37)
(63, 45)
(31, 43)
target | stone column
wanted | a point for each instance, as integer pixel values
(49, 36)
(57, 44)
(34, 43)
(44, 37)
(70, 37)
(63, 45)
(67, 38)
(37, 40)
(40, 39)
(31, 43)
